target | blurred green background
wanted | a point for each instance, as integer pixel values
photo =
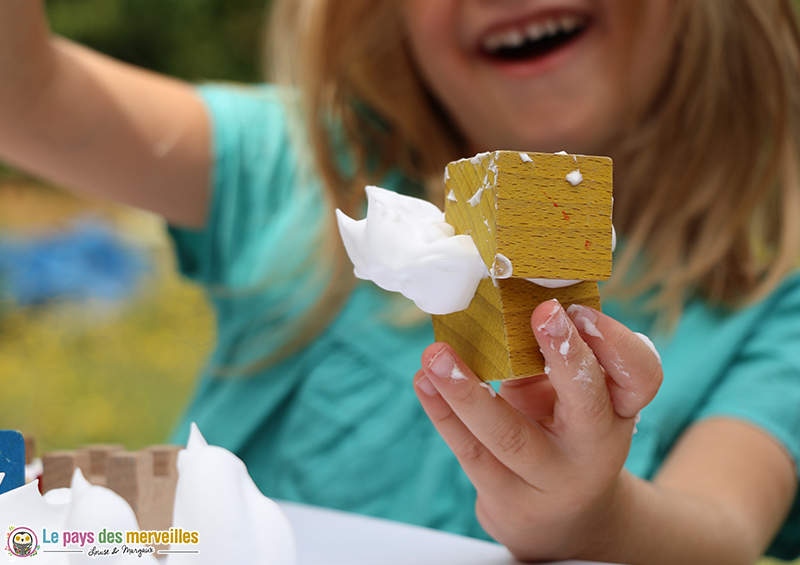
(192, 39)
(121, 371)
(75, 372)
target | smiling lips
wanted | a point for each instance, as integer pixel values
(533, 38)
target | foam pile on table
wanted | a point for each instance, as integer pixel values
(218, 516)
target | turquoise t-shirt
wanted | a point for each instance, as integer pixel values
(338, 423)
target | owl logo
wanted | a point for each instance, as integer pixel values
(22, 542)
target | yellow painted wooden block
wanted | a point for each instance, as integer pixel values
(528, 221)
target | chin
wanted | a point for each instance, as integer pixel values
(584, 137)
(556, 129)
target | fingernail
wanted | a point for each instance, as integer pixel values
(442, 364)
(585, 319)
(582, 311)
(556, 324)
(426, 386)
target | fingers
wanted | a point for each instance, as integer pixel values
(583, 403)
(534, 397)
(597, 370)
(632, 363)
(469, 417)
(485, 471)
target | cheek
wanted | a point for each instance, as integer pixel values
(431, 34)
(426, 22)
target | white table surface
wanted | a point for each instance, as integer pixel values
(331, 537)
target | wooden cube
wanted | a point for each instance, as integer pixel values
(92, 461)
(532, 216)
(57, 470)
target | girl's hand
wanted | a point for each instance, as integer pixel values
(546, 456)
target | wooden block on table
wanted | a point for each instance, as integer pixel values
(146, 479)
(155, 512)
(57, 470)
(529, 222)
(12, 460)
(92, 461)
(30, 449)
(129, 475)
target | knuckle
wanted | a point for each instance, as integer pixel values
(471, 451)
(466, 396)
(462, 394)
(596, 408)
(446, 417)
(592, 414)
(512, 440)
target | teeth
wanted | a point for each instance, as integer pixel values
(513, 38)
(533, 32)
(493, 43)
(569, 23)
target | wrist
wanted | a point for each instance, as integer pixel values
(609, 522)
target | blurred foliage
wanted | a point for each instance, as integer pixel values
(196, 40)
(73, 373)
(192, 39)
(7, 174)
(77, 373)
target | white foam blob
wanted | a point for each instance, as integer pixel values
(404, 245)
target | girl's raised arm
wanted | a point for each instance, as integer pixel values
(98, 126)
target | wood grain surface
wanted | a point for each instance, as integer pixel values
(523, 213)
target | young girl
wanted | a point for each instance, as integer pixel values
(697, 102)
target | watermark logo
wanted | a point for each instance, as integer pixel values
(21, 542)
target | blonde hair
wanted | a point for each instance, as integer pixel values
(350, 65)
(707, 184)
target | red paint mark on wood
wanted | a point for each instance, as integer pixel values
(588, 244)
(550, 198)
(565, 215)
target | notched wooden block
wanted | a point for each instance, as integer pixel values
(57, 470)
(146, 479)
(92, 461)
(156, 512)
(529, 222)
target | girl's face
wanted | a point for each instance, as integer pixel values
(540, 75)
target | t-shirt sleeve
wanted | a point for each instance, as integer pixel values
(763, 388)
(258, 197)
(260, 256)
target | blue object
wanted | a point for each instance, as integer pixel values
(12, 460)
(87, 261)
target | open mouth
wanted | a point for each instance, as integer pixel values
(534, 39)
